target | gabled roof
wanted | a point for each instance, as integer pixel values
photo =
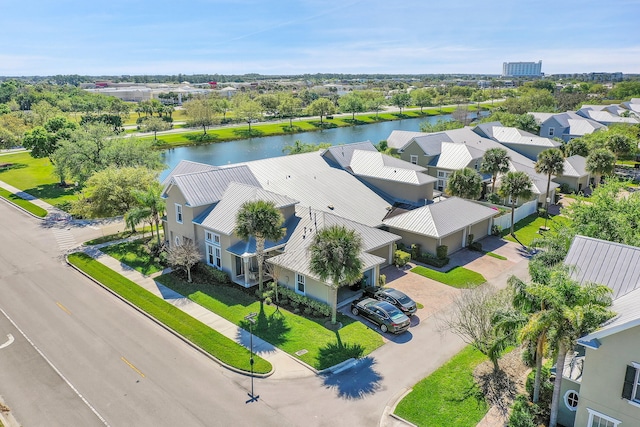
(342, 154)
(400, 138)
(511, 135)
(457, 155)
(208, 186)
(541, 117)
(431, 143)
(604, 116)
(538, 180)
(296, 255)
(582, 126)
(378, 165)
(442, 218)
(575, 166)
(614, 265)
(223, 216)
(186, 167)
(310, 179)
(607, 263)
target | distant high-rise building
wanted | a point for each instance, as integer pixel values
(522, 69)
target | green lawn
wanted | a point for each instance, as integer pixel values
(527, 229)
(195, 331)
(449, 396)
(495, 255)
(458, 277)
(119, 236)
(290, 332)
(24, 204)
(36, 177)
(136, 255)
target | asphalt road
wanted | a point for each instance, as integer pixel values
(131, 371)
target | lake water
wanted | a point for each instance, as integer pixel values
(244, 150)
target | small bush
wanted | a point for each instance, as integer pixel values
(565, 189)
(209, 274)
(470, 239)
(521, 415)
(494, 198)
(415, 251)
(307, 311)
(268, 301)
(496, 230)
(382, 280)
(401, 258)
(542, 212)
(476, 246)
(441, 251)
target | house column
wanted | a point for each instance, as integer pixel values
(245, 263)
(464, 236)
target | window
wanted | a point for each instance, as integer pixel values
(441, 185)
(178, 241)
(442, 174)
(631, 387)
(300, 284)
(178, 213)
(551, 131)
(571, 400)
(596, 419)
(212, 237)
(414, 159)
(214, 256)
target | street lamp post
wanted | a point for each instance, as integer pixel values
(546, 217)
(251, 318)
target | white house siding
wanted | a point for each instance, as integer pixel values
(428, 244)
(383, 252)
(575, 183)
(175, 229)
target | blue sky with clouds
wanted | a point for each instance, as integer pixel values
(39, 37)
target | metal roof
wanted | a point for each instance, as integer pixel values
(399, 138)
(614, 265)
(208, 186)
(583, 126)
(381, 166)
(248, 248)
(310, 179)
(223, 217)
(511, 135)
(185, 167)
(607, 263)
(442, 218)
(342, 154)
(575, 166)
(456, 155)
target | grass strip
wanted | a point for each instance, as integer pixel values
(24, 204)
(449, 396)
(528, 228)
(495, 255)
(458, 277)
(211, 341)
(136, 255)
(304, 338)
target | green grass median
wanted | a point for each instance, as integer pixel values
(24, 204)
(211, 341)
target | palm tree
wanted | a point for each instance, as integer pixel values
(465, 183)
(335, 255)
(263, 221)
(619, 144)
(550, 162)
(495, 161)
(600, 162)
(150, 207)
(573, 311)
(515, 185)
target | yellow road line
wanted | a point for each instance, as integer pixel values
(132, 367)
(63, 308)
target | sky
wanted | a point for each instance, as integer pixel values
(284, 37)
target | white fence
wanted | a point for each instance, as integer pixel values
(521, 212)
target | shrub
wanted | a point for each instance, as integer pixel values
(415, 251)
(307, 311)
(470, 239)
(209, 274)
(308, 305)
(429, 259)
(521, 415)
(441, 251)
(476, 246)
(494, 198)
(382, 280)
(496, 230)
(268, 301)
(542, 212)
(401, 258)
(565, 189)
(401, 247)
(546, 387)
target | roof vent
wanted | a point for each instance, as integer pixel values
(331, 207)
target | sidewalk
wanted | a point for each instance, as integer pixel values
(285, 366)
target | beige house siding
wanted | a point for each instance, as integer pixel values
(414, 149)
(313, 288)
(175, 229)
(384, 252)
(428, 244)
(573, 182)
(603, 377)
(480, 229)
(399, 190)
(454, 241)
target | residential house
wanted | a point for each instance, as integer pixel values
(575, 174)
(608, 114)
(520, 141)
(566, 126)
(601, 382)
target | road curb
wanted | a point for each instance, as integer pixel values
(24, 210)
(7, 418)
(167, 328)
(391, 407)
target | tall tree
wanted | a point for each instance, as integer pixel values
(495, 161)
(321, 107)
(465, 183)
(401, 100)
(422, 98)
(573, 310)
(619, 144)
(351, 103)
(550, 162)
(249, 111)
(576, 147)
(290, 107)
(514, 186)
(150, 205)
(262, 221)
(201, 112)
(335, 256)
(600, 162)
(155, 125)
